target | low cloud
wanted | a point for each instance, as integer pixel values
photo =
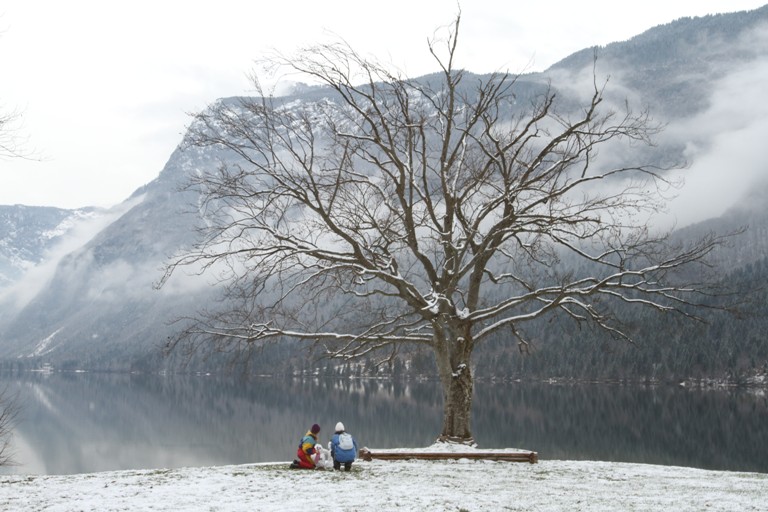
(84, 228)
(725, 146)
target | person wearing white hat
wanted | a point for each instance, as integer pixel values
(343, 448)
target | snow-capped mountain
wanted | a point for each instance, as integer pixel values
(29, 233)
(95, 304)
(85, 297)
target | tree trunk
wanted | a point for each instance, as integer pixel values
(453, 358)
(458, 408)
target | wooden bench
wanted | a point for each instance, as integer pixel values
(531, 457)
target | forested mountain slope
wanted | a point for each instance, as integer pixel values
(703, 78)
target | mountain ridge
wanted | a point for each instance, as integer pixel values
(99, 309)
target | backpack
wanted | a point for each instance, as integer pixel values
(346, 442)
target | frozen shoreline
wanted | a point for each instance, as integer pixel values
(394, 485)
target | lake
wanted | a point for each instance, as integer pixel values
(87, 422)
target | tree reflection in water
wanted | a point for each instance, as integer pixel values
(659, 425)
(73, 423)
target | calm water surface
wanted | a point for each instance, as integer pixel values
(78, 423)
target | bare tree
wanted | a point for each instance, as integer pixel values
(434, 212)
(9, 147)
(8, 414)
(9, 140)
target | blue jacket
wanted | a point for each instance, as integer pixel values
(338, 453)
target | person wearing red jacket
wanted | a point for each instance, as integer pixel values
(306, 450)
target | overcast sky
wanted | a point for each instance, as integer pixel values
(103, 88)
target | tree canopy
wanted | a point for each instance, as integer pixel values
(439, 211)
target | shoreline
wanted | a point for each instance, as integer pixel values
(550, 485)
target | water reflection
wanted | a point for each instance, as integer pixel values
(74, 423)
(664, 425)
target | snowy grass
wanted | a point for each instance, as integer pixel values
(461, 485)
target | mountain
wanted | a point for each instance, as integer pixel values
(676, 64)
(29, 233)
(94, 305)
(98, 308)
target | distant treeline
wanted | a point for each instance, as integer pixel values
(727, 347)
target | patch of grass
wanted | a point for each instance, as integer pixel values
(157, 472)
(286, 467)
(11, 481)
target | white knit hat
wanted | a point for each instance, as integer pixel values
(339, 427)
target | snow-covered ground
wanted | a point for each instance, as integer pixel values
(460, 485)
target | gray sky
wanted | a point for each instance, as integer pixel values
(103, 88)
